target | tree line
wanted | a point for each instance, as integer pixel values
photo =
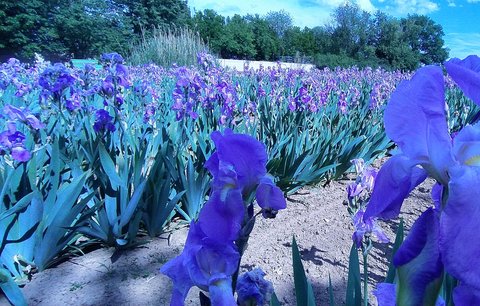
(62, 29)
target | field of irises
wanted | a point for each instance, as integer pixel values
(108, 152)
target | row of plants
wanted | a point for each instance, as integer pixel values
(436, 264)
(107, 153)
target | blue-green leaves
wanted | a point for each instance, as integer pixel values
(354, 291)
(303, 287)
(10, 289)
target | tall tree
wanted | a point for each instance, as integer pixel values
(279, 21)
(266, 41)
(211, 27)
(424, 36)
(350, 31)
(89, 27)
(148, 14)
(27, 27)
(238, 39)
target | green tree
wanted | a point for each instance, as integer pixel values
(238, 39)
(351, 31)
(279, 21)
(424, 36)
(148, 14)
(266, 41)
(323, 40)
(27, 27)
(88, 28)
(211, 27)
(390, 49)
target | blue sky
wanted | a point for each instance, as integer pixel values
(460, 19)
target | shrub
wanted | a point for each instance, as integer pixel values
(167, 46)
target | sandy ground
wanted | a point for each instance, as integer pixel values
(316, 216)
(239, 64)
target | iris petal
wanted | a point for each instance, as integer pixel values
(221, 292)
(220, 218)
(466, 73)
(418, 262)
(459, 225)
(464, 295)
(247, 155)
(176, 270)
(394, 181)
(466, 145)
(385, 294)
(415, 119)
(269, 195)
(21, 154)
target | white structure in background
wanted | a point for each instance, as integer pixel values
(239, 64)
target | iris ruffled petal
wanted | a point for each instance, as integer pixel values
(247, 155)
(394, 181)
(418, 262)
(220, 218)
(21, 154)
(253, 289)
(460, 224)
(176, 270)
(269, 196)
(415, 119)
(466, 73)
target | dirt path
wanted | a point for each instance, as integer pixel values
(316, 216)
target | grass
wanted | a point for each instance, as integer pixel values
(167, 46)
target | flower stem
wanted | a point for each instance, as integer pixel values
(365, 279)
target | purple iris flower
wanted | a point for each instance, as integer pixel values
(205, 263)
(113, 58)
(103, 122)
(366, 227)
(247, 158)
(254, 289)
(73, 102)
(211, 254)
(206, 60)
(13, 141)
(441, 239)
(466, 73)
(56, 78)
(354, 189)
(342, 102)
(23, 115)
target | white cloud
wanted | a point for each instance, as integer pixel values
(404, 7)
(451, 3)
(463, 44)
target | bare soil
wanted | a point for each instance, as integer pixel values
(315, 215)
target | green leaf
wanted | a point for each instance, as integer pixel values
(354, 294)
(132, 204)
(23, 203)
(303, 288)
(109, 167)
(274, 301)
(55, 229)
(11, 289)
(331, 298)
(449, 283)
